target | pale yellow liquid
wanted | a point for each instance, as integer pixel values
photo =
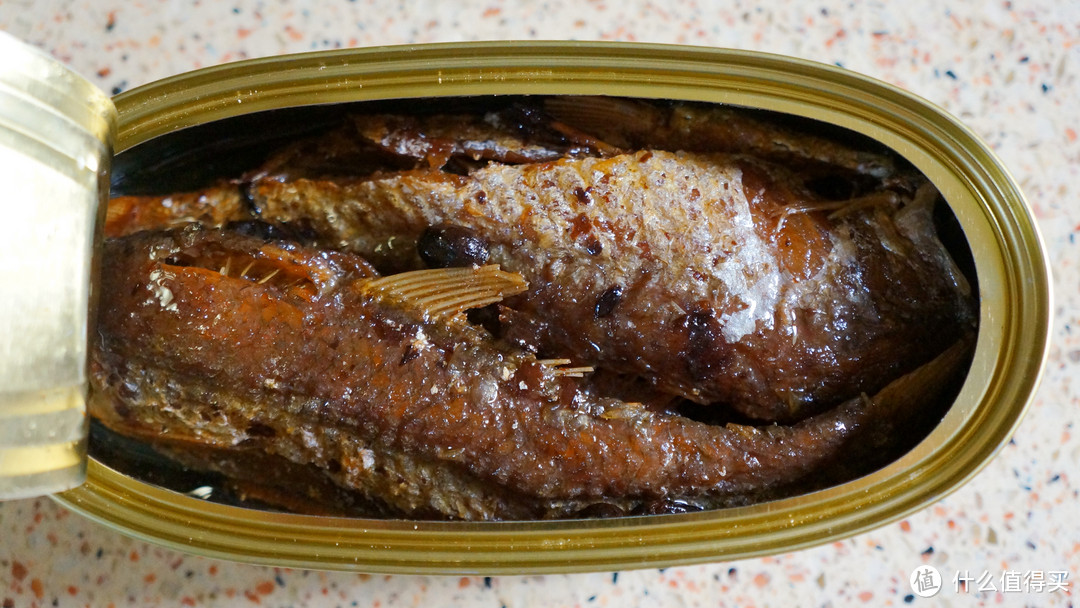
(52, 161)
(42, 442)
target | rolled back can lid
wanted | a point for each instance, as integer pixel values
(55, 149)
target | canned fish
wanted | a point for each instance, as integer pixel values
(224, 112)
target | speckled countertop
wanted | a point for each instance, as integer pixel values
(1009, 70)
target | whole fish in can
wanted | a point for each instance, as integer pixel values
(717, 277)
(216, 341)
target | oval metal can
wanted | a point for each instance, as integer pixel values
(1012, 341)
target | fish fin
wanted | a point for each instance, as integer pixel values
(444, 292)
(927, 382)
(838, 209)
(622, 120)
(915, 221)
(557, 367)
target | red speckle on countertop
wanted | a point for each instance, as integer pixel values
(265, 588)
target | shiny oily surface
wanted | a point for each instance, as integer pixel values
(1010, 263)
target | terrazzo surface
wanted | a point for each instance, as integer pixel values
(1007, 69)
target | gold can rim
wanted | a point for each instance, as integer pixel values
(1010, 258)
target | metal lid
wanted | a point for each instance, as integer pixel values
(55, 148)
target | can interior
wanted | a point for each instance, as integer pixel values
(196, 156)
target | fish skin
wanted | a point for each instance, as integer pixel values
(736, 287)
(524, 132)
(433, 140)
(366, 143)
(215, 205)
(711, 128)
(363, 145)
(329, 373)
(558, 126)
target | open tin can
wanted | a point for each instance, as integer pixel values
(1013, 329)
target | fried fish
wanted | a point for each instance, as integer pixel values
(717, 277)
(212, 339)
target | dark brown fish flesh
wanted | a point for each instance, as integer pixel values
(230, 342)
